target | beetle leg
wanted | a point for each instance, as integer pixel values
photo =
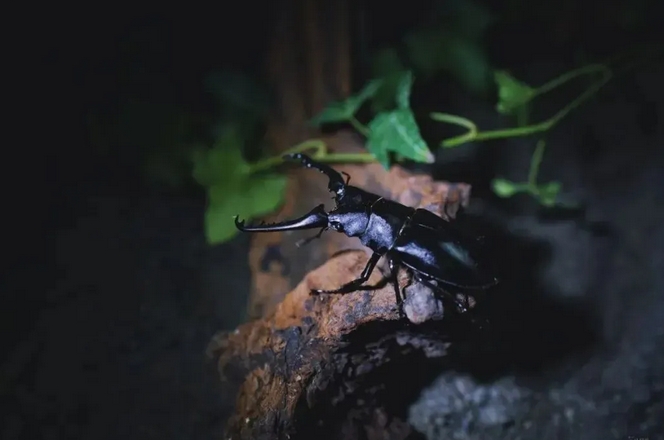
(356, 284)
(461, 308)
(304, 241)
(397, 290)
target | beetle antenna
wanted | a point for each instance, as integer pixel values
(347, 176)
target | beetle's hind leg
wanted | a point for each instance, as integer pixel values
(357, 283)
(394, 272)
(461, 307)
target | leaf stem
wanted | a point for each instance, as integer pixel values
(535, 162)
(546, 124)
(568, 76)
(458, 120)
(348, 158)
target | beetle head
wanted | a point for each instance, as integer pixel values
(350, 221)
(350, 216)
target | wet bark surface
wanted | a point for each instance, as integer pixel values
(328, 366)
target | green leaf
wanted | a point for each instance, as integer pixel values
(388, 66)
(232, 188)
(223, 163)
(548, 192)
(386, 62)
(512, 93)
(467, 61)
(367, 92)
(442, 48)
(341, 111)
(403, 91)
(385, 98)
(397, 131)
(468, 19)
(248, 198)
(505, 188)
(334, 112)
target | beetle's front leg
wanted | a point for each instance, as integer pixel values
(304, 241)
(356, 284)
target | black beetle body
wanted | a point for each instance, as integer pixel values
(415, 238)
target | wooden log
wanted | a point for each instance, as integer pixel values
(325, 366)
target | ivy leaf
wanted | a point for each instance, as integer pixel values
(469, 19)
(388, 66)
(397, 131)
(386, 62)
(443, 48)
(385, 98)
(506, 188)
(250, 197)
(548, 192)
(403, 91)
(455, 44)
(232, 188)
(341, 111)
(512, 93)
(223, 163)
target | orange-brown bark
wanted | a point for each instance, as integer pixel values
(313, 351)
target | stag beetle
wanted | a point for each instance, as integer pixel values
(415, 238)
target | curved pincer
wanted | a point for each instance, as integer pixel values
(316, 218)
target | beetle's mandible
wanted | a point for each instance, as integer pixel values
(417, 239)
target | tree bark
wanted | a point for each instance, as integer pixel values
(332, 366)
(308, 66)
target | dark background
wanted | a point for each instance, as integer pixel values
(112, 294)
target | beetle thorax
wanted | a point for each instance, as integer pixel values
(381, 232)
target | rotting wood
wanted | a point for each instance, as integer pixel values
(316, 353)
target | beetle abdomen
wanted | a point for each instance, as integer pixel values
(438, 253)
